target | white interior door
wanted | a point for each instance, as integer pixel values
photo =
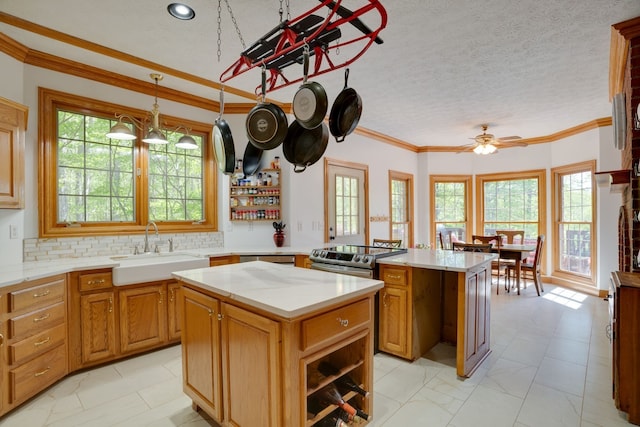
(346, 202)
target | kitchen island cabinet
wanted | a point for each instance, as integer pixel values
(254, 333)
(433, 296)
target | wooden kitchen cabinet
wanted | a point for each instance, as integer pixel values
(248, 367)
(410, 297)
(174, 307)
(302, 261)
(473, 339)
(626, 343)
(143, 317)
(223, 260)
(93, 318)
(13, 125)
(201, 366)
(34, 339)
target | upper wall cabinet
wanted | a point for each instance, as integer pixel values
(13, 125)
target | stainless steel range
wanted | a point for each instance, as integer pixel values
(356, 260)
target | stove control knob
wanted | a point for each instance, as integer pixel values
(356, 258)
(315, 252)
(365, 259)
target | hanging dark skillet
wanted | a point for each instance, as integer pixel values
(223, 147)
(303, 147)
(345, 111)
(310, 102)
(266, 123)
(251, 159)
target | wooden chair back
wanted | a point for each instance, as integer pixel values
(440, 241)
(471, 247)
(387, 243)
(511, 235)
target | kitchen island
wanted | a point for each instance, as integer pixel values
(432, 296)
(254, 333)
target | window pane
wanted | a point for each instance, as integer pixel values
(347, 208)
(450, 211)
(511, 204)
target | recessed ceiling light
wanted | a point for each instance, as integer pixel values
(181, 11)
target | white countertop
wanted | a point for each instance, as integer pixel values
(16, 273)
(439, 259)
(283, 290)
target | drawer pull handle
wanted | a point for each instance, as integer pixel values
(44, 341)
(172, 295)
(160, 297)
(110, 304)
(394, 276)
(44, 294)
(38, 374)
(384, 299)
(343, 322)
(211, 313)
(95, 282)
(1, 340)
(41, 318)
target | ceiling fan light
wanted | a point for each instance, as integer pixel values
(186, 142)
(155, 137)
(121, 131)
(483, 149)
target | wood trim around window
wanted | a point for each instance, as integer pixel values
(561, 275)
(408, 178)
(49, 101)
(466, 180)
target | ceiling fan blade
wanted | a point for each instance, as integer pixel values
(509, 138)
(510, 144)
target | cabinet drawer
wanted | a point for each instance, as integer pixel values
(395, 276)
(93, 281)
(36, 296)
(335, 323)
(33, 376)
(38, 343)
(36, 321)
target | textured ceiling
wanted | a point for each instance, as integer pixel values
(529, 68)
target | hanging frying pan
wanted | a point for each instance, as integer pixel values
(310, 101)
(303, 147)
(251, 159)
(345, 111)
(266, 123)
(223, 147)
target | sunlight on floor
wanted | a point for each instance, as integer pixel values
(566, 297)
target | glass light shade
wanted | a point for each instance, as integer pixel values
(121, 131)
(155, 137)
(186, 142)
(485, 149)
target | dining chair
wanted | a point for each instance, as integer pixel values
(498, 267)
(533, 268)
(511, 235)
(440, 241)
(387, 243)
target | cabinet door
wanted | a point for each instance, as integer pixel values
(174, 291)
(251, 368)
(143, 317)
(393, 322)
(475, 342)
(201, 351)
(12, 134)
(98, 325)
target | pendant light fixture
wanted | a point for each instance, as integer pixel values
(155, 135)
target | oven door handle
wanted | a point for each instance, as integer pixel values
(351, 271)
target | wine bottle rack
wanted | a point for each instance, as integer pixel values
(350, 359)
(254, 199)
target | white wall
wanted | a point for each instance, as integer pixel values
(303, 205)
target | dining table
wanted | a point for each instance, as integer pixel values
(518, 253)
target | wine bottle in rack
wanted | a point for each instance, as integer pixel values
(344, 382)
(329, 394)
(331, 421)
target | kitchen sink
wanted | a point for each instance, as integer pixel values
(149, 267)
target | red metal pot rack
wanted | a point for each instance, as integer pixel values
(284, 45)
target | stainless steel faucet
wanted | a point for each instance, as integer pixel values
(146, 235)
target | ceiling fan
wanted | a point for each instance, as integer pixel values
(486, 143)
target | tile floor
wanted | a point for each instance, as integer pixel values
(550, 366)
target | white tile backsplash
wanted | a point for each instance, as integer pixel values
(77, 247)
